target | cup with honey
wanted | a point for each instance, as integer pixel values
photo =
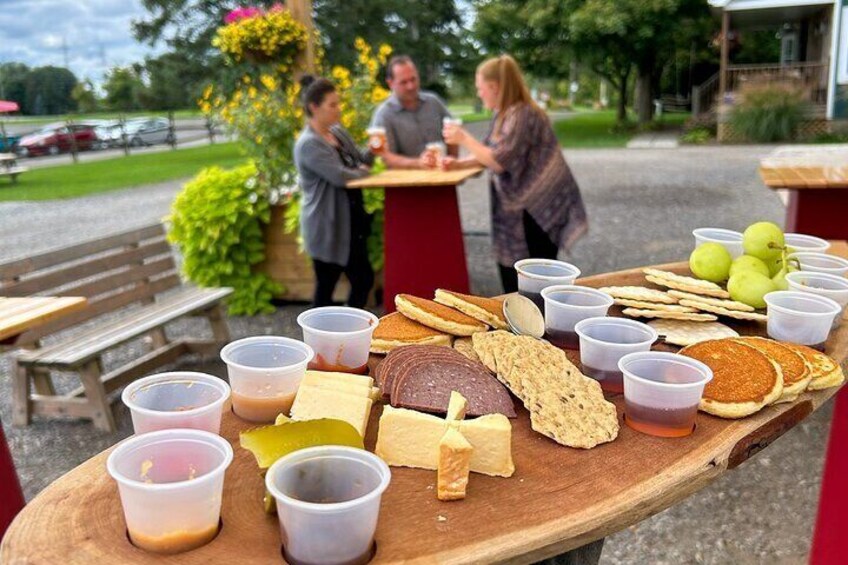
(340, 337)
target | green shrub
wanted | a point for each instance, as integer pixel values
(697, 136)
(768, 113)
(217, 221)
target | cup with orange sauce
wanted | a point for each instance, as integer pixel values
(340, 337)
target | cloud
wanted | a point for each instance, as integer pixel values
(91, 35)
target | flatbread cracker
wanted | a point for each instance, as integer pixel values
(683, 333)
(641, 293)
(675, 284)
(721, 303)
(736, 314)
(653, 305)
(465, 346)
(694, 317)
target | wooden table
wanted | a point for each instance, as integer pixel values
(424, 248)
(16, 316)
(9, 166)
(817, 178)
(559, 498)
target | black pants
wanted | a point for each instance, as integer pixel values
(358, 271)
(539, 245)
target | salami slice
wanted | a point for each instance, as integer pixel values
(400, 358)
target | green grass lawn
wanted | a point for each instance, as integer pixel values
(69, 181)
(596, 129)
(467, 113)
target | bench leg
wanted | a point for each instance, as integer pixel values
(20, 395)
(101, 411)
(158, 338)
(42, 382)
(220, 330)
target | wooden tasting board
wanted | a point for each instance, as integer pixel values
(806, 166)
(400, 178)
(558, 499)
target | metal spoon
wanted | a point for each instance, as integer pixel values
(523, 316)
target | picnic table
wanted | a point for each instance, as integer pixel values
(16, 316)
(817, 179)
(424, 249)
(559, 498)
(9, 166)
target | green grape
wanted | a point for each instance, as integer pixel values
(749, 263)
(710, 262)
(750, 287)
(763, 240)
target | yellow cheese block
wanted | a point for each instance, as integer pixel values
(345, 378)
(411, 439)
(457, 406)
(454, 462)
(333, 382)
(312, 403)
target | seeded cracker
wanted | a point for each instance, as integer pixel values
(464, 346)
(721, 303)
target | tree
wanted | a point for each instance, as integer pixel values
(85, 96)
(175, 82)
(13, 77)
(124, 89)
(48, 91)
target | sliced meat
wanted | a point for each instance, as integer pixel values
(401, 358)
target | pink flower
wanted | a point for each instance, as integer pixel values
(242, 14)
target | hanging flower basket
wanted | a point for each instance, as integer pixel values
(260, 37)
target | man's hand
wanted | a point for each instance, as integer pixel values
(450, 163)
(427, 160)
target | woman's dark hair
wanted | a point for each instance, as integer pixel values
(313, 90)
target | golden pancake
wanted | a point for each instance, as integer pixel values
(437, 316)
(744, 378)
(396, 330)
(795, 370)
(825, 371)
(487, 310)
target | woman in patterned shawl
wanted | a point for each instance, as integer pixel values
(536, 204)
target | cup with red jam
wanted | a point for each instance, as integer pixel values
(340, 337)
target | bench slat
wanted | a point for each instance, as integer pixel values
(134, 324)
(122, 278)
(43, 284)
(19, 267)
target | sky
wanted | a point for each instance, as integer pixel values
(96, 34)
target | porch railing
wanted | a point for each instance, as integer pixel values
(810, 78)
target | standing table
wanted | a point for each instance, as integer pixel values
(423, 234)
(16, 316)
(817, 179)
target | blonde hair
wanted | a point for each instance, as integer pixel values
(505, 71)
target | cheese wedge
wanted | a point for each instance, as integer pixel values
(411, 439)
(457, 406)
(454, 462)
(312, 403)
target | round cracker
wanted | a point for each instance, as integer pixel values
(755, 316)
(694, 317)
(683, 332)
(721, 303)
(641, 293)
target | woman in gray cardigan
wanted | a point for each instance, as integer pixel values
(334, 224)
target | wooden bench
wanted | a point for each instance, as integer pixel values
(13, 173)
(133, 290)
(9, 167)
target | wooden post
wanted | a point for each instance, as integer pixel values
(301, 10)
(722, 77)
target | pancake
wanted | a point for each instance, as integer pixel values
(825, 371)
(487, 310)
(396, 330)
(795, 370)
(744, 379)
(438, 316)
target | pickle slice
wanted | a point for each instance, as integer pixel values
(269, 443)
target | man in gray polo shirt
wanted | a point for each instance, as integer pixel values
(412, 118)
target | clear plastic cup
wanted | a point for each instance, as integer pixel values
(565, 305)
(800, 317)
(800, 242)
(731, 240)
(831, 286)
(328, 502)
(265, 372)
(821, 263)
(377, 140)
(340, 336)
(536, 274)
(171, 483)
(182, 399)
(662, 391)
(605, 340)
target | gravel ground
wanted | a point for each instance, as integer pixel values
(642, 205)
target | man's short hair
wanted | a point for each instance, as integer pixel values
(395, 61)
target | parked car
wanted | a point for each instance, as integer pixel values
(108, 134)
(55, 139)
(9, 144)
(148, 131)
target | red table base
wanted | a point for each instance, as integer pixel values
(423, 243)
(820, 212)
(11, 497)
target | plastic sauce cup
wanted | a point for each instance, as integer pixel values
(731, 240)
(800, 317)
(800, 242)
(265, 372)
(340, 336)
(328, 502)
(822, 263)
(181, 399)
(565, 305)
(831, 286)
(537, 274)
(605, 340)
(662, 391)
(171, 483)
